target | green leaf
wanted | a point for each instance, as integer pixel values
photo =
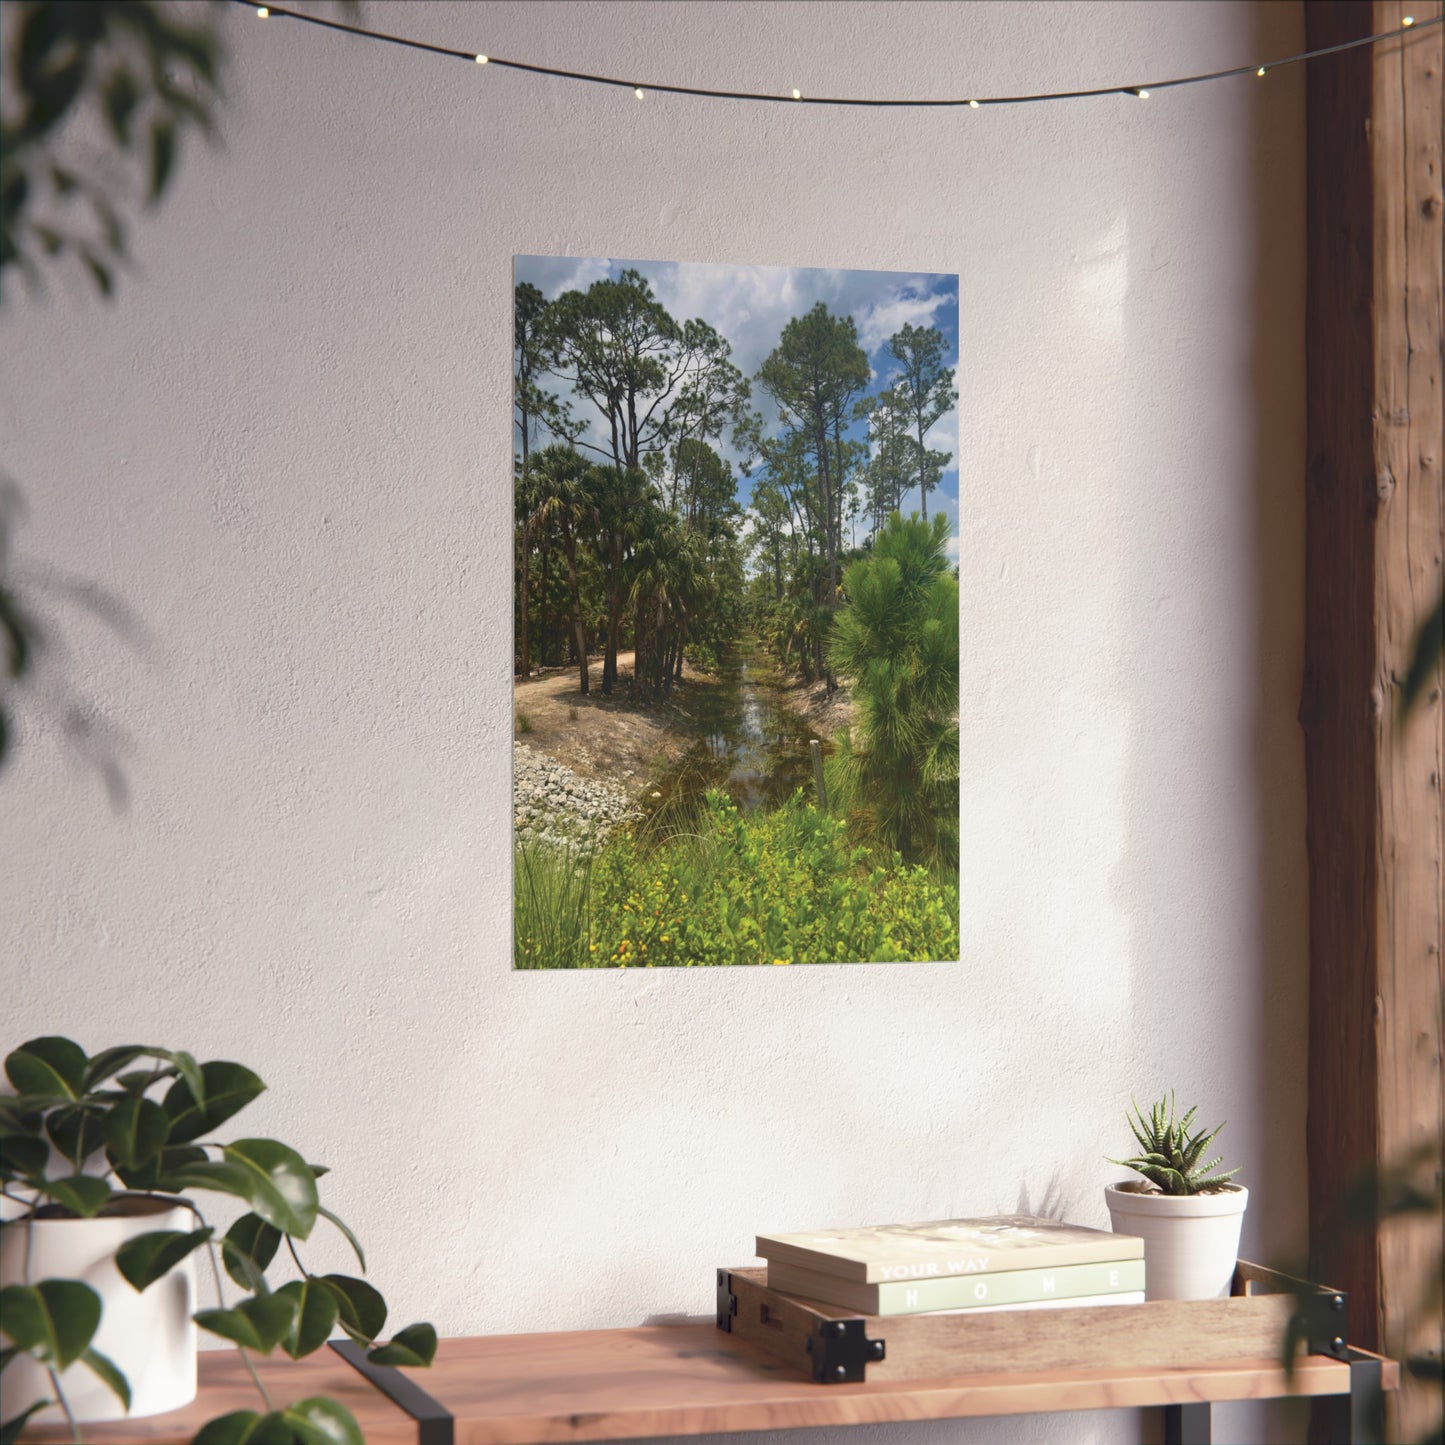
(149, 1257)
(351, 1239)
(111, 1061)
(156, 1174)
(362, 1310)
(250, 1241)
(82, 1193)
(54, 1320)
(259, 1323)
(49, 1065)
(226, 1089)
(10, 1430)
(319, 1421)
(245, 1427)
(76, 1131)
(106, 1368)
(20, 1157)
(282, 1186)
(135, 1131)
(415, 1345)
(316, 1311)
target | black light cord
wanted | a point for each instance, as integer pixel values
(642, 88)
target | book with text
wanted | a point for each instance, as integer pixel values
(961, 1292)
(939, 1248)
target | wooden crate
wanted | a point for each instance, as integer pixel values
(838, 1346)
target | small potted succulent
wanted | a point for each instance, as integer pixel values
(101, 1231)
(1188, 1214)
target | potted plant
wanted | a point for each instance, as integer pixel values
(102, 1229)
(1187, 1213)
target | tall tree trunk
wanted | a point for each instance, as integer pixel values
(579, 634)
(524, 660)
(922, 470)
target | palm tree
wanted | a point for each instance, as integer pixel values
(562, 486)
(622, 497)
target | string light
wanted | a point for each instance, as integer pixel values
(1141, 91)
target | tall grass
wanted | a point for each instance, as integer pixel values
(551, 914)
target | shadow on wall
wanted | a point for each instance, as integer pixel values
(1248, 537)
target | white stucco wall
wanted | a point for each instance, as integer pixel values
(286, 447)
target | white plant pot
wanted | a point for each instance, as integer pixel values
(150, 1336)
(1191, 1241)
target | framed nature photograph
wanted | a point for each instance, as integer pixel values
(735, 637)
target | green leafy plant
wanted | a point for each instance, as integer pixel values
(82, 1134)
(1171, 1154)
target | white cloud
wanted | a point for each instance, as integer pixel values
(879, 320)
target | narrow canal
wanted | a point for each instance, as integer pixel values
(746, 742)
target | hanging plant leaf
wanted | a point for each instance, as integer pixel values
(245, 1427)
(316, 1311)
(155, 1174)
(54, 1320)
(319, 1421)
(111, 1061)
(10, 1431)
(21, 1157)
(149, 1257)
(260, 1323)
(362, 1310)
(50, 1065)
(76, 1131)
(106, 1369)
(282, 1186)
(135, 1131)
(248, 1248)
(84, 1194)
(226, 1089)
(415, 1345)
(351, 1239)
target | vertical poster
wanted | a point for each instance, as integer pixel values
(735, 639)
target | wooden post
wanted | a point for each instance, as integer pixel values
(816, 748)
(1374, 544)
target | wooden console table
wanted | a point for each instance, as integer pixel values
(694, 1379)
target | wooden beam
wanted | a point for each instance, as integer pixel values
(1374, 544)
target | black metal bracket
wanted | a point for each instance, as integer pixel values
(727, 1301)
(841, 1352)
(1326, 1315)
(434, 1422)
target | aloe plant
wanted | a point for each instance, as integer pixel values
(1171, 1156)
(80, 1132)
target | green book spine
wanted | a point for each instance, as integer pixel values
(1015, 1286)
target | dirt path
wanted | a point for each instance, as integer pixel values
(607, 739)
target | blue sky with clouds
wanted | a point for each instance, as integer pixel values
(750, 305)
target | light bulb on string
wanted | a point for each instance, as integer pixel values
(973, 105)
(1142, 94)
(1408, 21)
(1260, 72)
(638, 92)
(797, 94)
(481, 60)
(262, 12)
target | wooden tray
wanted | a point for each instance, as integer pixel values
(839, 1346)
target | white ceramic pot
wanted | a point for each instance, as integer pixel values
(1191, 1241)
(149, 1336)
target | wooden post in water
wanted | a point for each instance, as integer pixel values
(816, 748)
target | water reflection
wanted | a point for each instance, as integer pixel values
(748, 744)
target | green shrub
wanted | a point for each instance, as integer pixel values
(777, 889)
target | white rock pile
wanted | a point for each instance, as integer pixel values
(555, 807)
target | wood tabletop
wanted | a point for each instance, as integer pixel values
(685, 1380)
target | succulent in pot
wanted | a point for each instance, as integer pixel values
(101, 1160)
(1187, 1212)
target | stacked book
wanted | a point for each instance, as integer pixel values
(1013, 1261)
